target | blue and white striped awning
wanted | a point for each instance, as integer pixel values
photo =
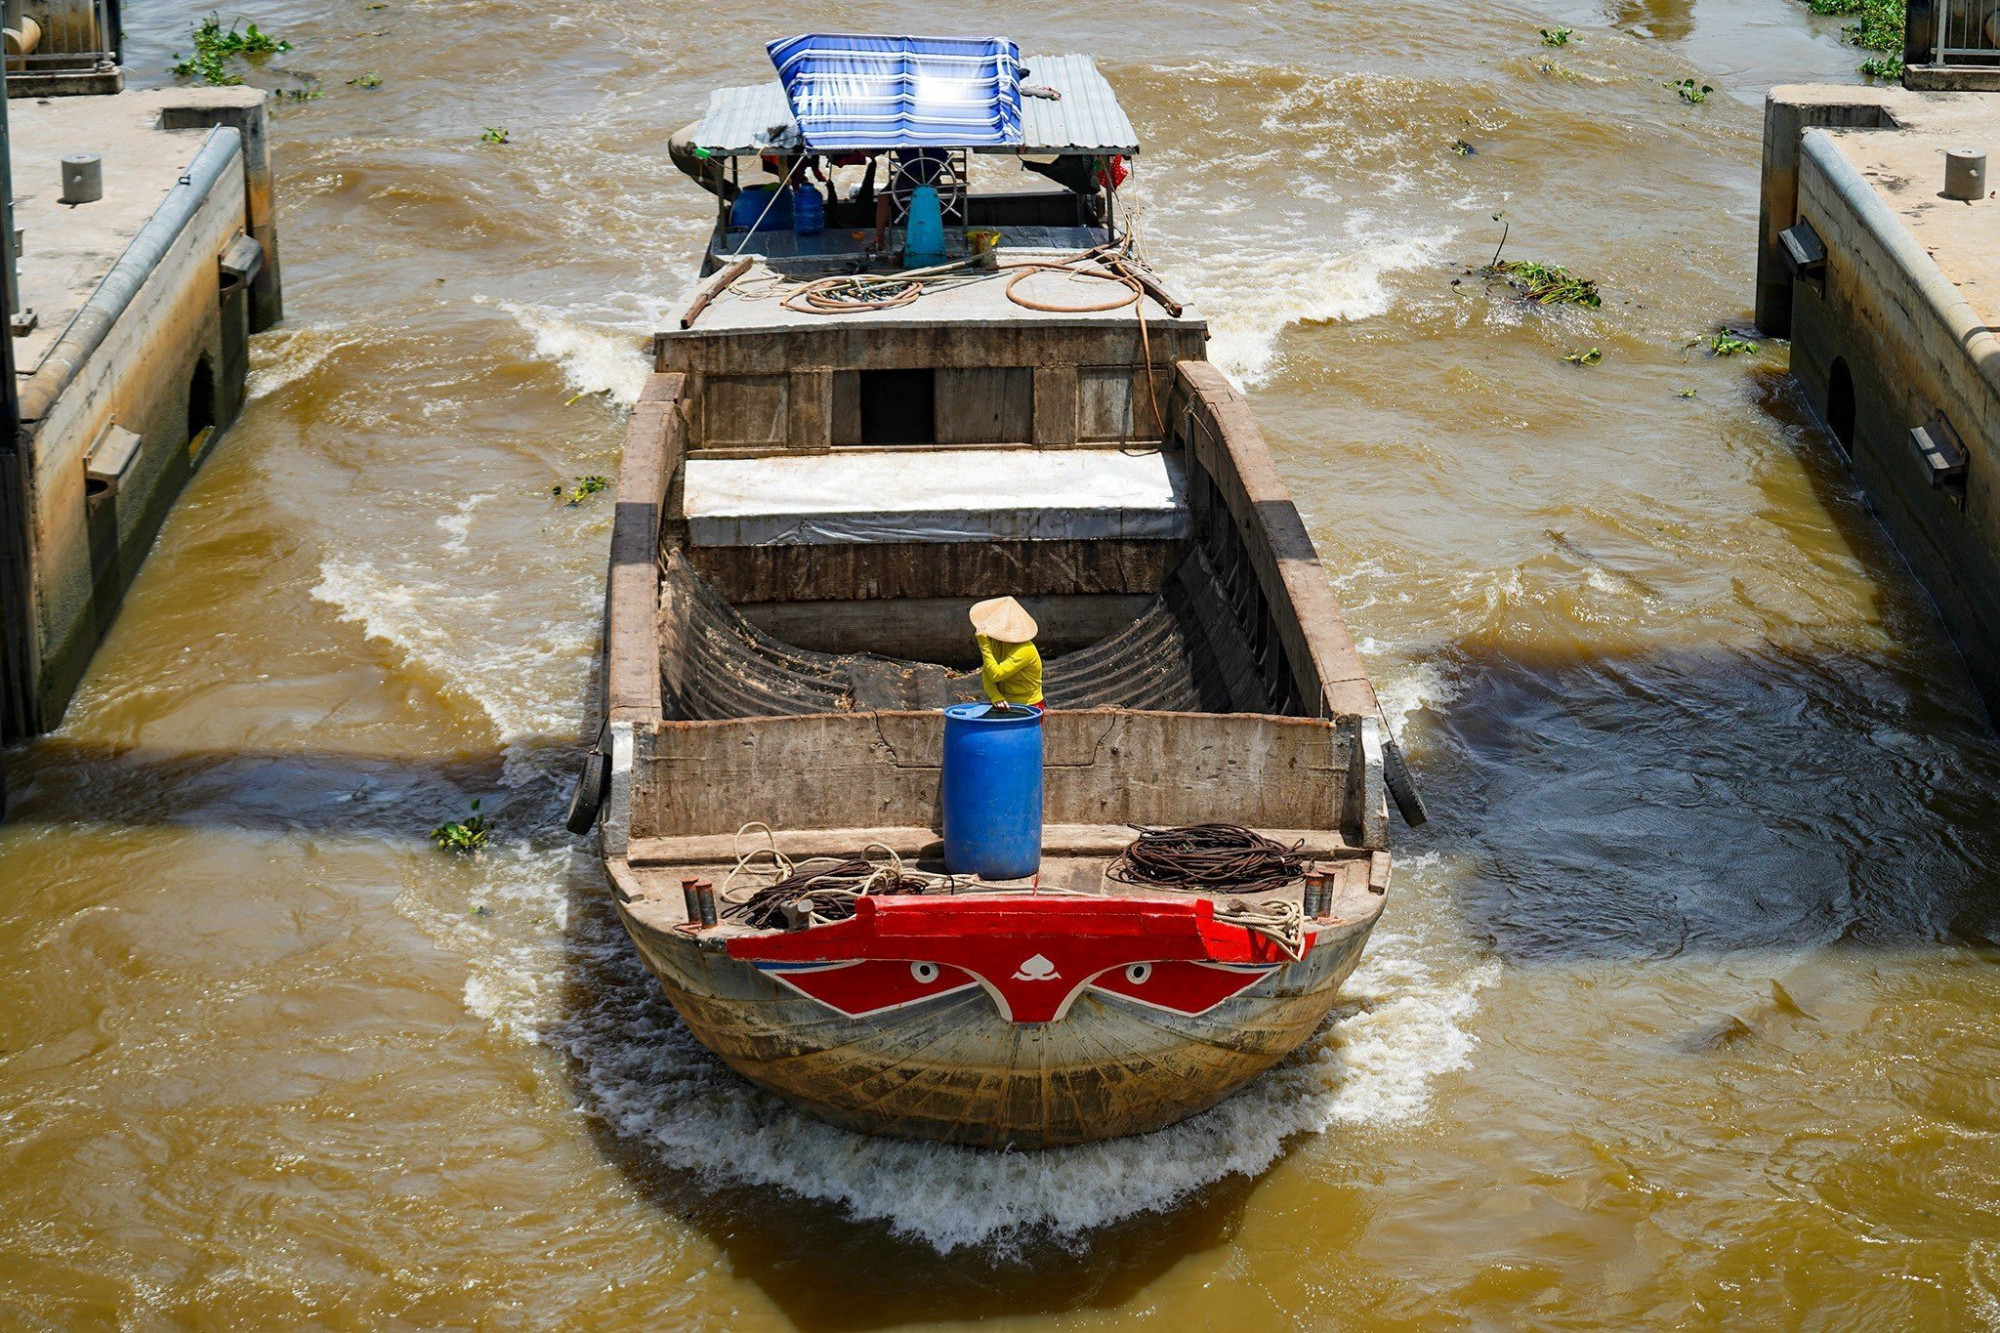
(856, 93)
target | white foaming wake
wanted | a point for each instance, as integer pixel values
(286, 356)
(510, 672)
(1262, 290)
(1399, 1026)
(457, 525)
(593, 360)
(1409, 689)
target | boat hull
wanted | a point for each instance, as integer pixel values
(953, 1069)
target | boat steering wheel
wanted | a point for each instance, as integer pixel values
(943, 173)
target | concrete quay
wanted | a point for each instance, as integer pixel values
(1890, 292)
(142, 304)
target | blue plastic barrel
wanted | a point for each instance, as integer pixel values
(751, 203)
(808, 211)
(992, 791)
(923, 242)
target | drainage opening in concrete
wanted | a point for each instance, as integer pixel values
(201, 405)
(1840, 404)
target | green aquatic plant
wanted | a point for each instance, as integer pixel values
(462, 835)
(494, 134)
(1691, 91)
(1726, 343)
(1462, 148)
(1545, 284)
(1687, 393)
(1878, 27)
(584, 488)
(215, 45)
(1557, 36)
(367, 79)
(1590, 358)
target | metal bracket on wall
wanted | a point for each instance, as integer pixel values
(1805, 254)
(1943, 454)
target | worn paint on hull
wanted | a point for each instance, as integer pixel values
(954, 1070)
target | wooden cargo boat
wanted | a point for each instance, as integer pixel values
(808, 504)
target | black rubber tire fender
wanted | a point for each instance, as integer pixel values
(592, 786)
(1401, 784)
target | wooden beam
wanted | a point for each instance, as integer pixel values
(713, 290)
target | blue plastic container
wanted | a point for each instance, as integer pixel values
(808, 211)
(750, 204)
(992, 791)
(923, 242)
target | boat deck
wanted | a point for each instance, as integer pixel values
(754, 302)
(649, 881)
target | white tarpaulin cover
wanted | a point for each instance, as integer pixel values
(933, 495)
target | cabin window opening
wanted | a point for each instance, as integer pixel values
(898, 407)
(1840, 404)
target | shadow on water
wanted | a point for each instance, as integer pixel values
(1769, 794)
(58, 778)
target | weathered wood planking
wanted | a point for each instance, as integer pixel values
(935, 569)
(653, 444)
(1225, 441)
(1102, 766)
(954, 1070)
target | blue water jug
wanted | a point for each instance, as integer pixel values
(992, 791)
(754, 201)
(923, 242)
(808, 211)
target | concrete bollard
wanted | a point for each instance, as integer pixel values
(1965, 173)
(83, 178)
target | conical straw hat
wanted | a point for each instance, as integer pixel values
(1004, 619)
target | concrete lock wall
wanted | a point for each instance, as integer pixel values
(164, 369)
(1910, 347)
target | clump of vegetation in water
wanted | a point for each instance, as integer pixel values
(1590, 358)
(1725, 343)
(368, 79)
(584, 488)
(495, 134)
(1545, 284)
(1557, 36)
(1462, 148)
(462, 835)
(1692, 92)
(214, 46)
(1878, 27)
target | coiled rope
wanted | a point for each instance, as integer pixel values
(1215, 858)
(1223, 858)
(832, 887)
(1201, 858)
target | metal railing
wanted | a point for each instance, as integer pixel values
(51, 36)
(1946, 33)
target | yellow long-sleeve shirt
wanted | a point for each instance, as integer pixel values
(1010, 672)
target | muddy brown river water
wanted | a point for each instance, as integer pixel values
(1683, 1010)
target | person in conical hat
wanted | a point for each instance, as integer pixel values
(1010, 669)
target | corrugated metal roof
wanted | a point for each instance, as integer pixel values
(1088, 119)
(741, 122)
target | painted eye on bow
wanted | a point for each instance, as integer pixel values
(924, 972)
(1139, 973)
